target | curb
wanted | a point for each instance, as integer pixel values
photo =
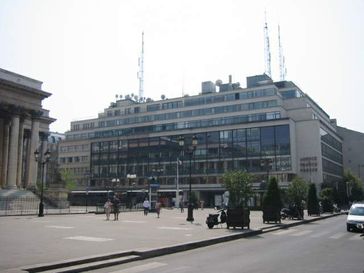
(156, 252)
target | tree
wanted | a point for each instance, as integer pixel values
(313, 206)
(69, 179)
(327, 197)
(354, 187)
(272, 203)
(356, 192)
(239, 185)
(297, 192)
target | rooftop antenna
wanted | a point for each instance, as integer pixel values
(282, 64)
(267, 57)
(141, 70)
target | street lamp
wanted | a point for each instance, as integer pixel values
(131, 176)
(190, 150)
(43, 161)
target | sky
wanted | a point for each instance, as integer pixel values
(86, 51)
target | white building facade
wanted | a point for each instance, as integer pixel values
(268, 128)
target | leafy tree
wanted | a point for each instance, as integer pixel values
(272, 202)
(239, 185)
(297, 192)
(354, 187)
(272, 198)
(69, 179)
(313, 206)
(327, 197)
(356, 192)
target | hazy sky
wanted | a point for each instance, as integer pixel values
(86, 51)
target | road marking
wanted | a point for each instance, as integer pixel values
(140, 268)
(301, 233)
(316, 235)
(175, 228)
(355, 237)
(90, 239)
(188, 235)
(338, 235)
(285, 231)
(135, 222)
(59, 227)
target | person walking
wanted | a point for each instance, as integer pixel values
(116, 208)
(107, 207)
(181, 206)
(146, 206)
(158, 208)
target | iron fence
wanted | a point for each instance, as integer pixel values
(10, 206)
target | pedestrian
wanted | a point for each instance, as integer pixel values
(158, 208)
(115, 205)
(107, 207)
(202, 204)
(146, 206)
(181, 206)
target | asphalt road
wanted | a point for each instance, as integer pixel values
(322, 246)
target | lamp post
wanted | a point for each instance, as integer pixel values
(190, 150)
(43, 161)
(131, 176)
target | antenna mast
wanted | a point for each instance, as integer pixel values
(267, 57)
(282, 64)
(141, 70)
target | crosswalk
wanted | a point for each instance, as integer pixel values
(311, 233)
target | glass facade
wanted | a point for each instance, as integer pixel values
(217, 152)
(332, 159)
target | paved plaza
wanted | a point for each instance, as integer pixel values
(30, 240)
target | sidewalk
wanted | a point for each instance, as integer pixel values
(30, 240)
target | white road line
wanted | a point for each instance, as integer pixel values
(338, 235)
(59, 227)
(317, 235)
(140, 268)
(136, 222)
(175, 228)
(90, 239)
(301, 233)
(355, 237)
(285, 231)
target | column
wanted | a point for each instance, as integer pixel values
(20, 154)
(42, 150)
(13, 152)
(1, 150)
(32, 164)
(5, 153)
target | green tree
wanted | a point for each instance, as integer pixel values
(272, 202)
(356, 192)
(354, 187)
(297, 192)
(313, 206)
(327, 197)
(69, 179)
(239, 185)
(272, 197)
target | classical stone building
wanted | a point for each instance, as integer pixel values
(24, 127)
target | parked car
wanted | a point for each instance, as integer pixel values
(355, 219)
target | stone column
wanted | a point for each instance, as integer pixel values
(20, 154)
(5, 153)
(1, 150)
(32, 164)
(13, 152)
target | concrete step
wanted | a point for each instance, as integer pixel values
(82, 266)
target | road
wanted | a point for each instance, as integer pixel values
(323, 246)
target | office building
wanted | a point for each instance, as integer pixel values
(267, 128)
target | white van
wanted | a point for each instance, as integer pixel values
(355, 220)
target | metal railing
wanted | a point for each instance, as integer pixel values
(12, 206)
